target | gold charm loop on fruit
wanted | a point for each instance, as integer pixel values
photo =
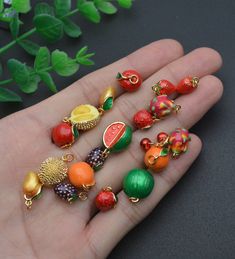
(134, 200)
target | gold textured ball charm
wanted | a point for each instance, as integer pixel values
(52, 171)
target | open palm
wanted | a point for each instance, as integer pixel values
(54, 229)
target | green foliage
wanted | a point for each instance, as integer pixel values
(71, 29)
(89, 11)
(21, 6)
(15, 26)
(62, 7)
(105, 7)
(7, 95)
(43, 8)
(29, 46)
(28, 78)
(83, 58)
(125, 3)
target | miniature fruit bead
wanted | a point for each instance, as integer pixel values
(179, 140)
(163, 87)
(145, 144)
(161, 106)
(187, 85)
(162, 138)
(32, 185)
(106, 199)
(143, 119)
(117, 136)
(66, 191)
(64, 134)
(156, 158)
(96, 158)
(81, 175)
(129, 80)
(138, 184)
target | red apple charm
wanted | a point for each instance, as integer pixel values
(106, 199)
(129, 80)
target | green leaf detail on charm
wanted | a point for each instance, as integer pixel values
(119, 76)
(49, 27)
(108, 104)
(18, 71)
(9, 96)
(31, 47)
(75, 132)
(164, 152)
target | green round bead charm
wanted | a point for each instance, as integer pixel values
(138, 184)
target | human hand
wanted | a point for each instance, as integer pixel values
(53, 229)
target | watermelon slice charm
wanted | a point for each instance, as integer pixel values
(117, 136)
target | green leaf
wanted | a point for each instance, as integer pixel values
(49, 27)
(1, 69)
(7, 14)
(21, 6)
(89, 11)
(43, 8)
(71, 29)
(108, 104)
(19, 71)
(31, 47)
(85, 61)
(47, 79)
(82, 52)
(125, 3)
(1, 5)
(62, 64)
(9, 96)
(15, 26)
(31, 86)
(42, 59)
(164, 152)
(106, 7)
(62, 7)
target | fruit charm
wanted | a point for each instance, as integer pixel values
(106, 199)
(138, 184)
(129, 80)
(163, 87)
(178, 141)
(66, 191)
(187, 85)
(83, 117)
(157, 154)
(52, 171)
(160, 107)
(96, 158)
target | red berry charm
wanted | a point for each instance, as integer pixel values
(163, 87)
(143, 119)
(129, 80)
(106, 199)
(145, 144)
(187, 85)
(162, 138)
(64, 134)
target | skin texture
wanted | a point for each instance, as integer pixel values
(53, 229)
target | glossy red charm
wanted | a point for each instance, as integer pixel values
(62, 134)
(143, 119)
(187, 85)
(162, 137)
(163, 87)
(129, 80)
(145, 144)
(106, 199)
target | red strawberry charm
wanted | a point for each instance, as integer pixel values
(187, 85)
(143, 119)
(106, 199)
(163, 87)
(129, 80)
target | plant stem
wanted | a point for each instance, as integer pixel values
(70, 13)
(12, 43)
(7, 81)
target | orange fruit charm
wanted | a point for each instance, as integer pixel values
(156, 158)
(81, 175)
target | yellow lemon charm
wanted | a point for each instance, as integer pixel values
(85, 116)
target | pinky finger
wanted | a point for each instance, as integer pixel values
(105, 230)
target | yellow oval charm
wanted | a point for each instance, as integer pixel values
(85, 116)
(52, 171)
(32, 185)
(110, 92)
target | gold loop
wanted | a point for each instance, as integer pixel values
(68, 157)
(82, 196)
(195, 81)
(105, 153)
(107, 189)
(177, 107)
(100, 110)
(152, 159)
(134, 200)
(133, 79)
(28, 202)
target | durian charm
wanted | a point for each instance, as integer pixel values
(52, 171)
(83, 117)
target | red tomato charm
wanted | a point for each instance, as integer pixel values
(129, 80)
(62, 134)
(187, 85)
(145, 144)
(163, 87)
(143, 119)
(106, 199)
